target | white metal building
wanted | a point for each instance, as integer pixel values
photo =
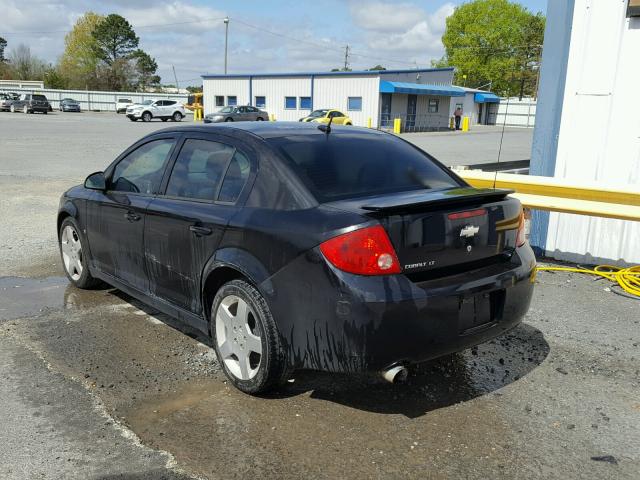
(423, 98)
(587, 125)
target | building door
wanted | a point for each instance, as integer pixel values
(385, 109)
(480, 122)
(412, 105)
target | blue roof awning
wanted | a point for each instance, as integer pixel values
(486, 97)
(421, 89)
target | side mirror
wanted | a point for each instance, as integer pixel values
(96, 181)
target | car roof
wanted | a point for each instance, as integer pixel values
(269, 129)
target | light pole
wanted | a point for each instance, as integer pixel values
(226, 39)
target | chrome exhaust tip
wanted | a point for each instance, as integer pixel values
(395, 374)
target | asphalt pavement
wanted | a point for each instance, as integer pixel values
(95, 385)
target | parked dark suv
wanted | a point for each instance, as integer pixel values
(298, 246)
(31, 103)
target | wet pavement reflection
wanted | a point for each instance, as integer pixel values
(162, 380)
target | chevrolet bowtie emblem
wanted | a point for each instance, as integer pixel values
(469, 231)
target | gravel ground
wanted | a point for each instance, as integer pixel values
(95, 385)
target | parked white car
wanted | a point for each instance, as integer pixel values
(122, 104)
(162, 109)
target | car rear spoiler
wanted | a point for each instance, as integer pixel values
(430, 200)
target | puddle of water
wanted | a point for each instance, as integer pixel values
(23, 297)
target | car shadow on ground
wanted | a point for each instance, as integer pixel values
(459, 377)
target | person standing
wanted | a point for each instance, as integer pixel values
(457, 115)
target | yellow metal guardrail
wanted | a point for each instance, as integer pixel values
(555, 195)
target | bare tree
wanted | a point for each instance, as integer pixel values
(25, 65)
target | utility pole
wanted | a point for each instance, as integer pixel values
(175, 78)
(226, 40)
(346, 58)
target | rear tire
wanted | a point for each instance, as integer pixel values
(75, 255)
(259, 119)
(146, 117)
(228, 119)
(241, 323)
(177, 117)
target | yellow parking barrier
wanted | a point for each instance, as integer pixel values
(197, 114)
(369, 122)
(465, 124)
(397, 125)
(272, 117)
(452, 123)
(556, 195)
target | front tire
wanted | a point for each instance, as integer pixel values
(74, 254)
(246, 338)
(177, 117)
(146, 117)
(229, 119)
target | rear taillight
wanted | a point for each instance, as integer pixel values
(367, 251)
(521, 237)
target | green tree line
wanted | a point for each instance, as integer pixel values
(101, 53)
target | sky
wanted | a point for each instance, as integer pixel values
(264, 35)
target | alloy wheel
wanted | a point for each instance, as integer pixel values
(237, 337)
(72, 252)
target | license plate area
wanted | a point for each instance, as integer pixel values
(480, 311)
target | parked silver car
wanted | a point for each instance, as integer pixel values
(236, 114)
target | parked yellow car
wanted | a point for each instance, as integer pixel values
(323, 115)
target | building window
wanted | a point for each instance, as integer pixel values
(232, 100)
(219, 101)
(305, 103)
(290, 103)
(261, 102)
(433, 105)
(354, 104)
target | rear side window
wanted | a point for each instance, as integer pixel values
(141, 171)
(40, 98)
(235, 178)
(198, 170)
(348, 165)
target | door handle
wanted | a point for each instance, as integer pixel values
(132, 216)
(200, 231)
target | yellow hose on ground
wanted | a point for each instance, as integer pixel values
(627, 278)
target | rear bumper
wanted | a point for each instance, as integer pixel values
(334, 321)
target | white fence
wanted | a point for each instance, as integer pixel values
(96, 100)
(514, 112)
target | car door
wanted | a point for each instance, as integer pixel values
(116, 217)
(185, 225)
(338, 117)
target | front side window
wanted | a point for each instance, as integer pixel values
(261, 101)
(219, 101)
(199, 169)
(141, 171)
(290, 103)
(354, 104)
(336, 114)
(433, 105)
(232, 100)
(305, 103)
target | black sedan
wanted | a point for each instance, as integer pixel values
(69, 105)
(342, 249)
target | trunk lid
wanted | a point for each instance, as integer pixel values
(439, 233)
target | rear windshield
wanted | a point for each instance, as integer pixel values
(347, 165)
(40, 97)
